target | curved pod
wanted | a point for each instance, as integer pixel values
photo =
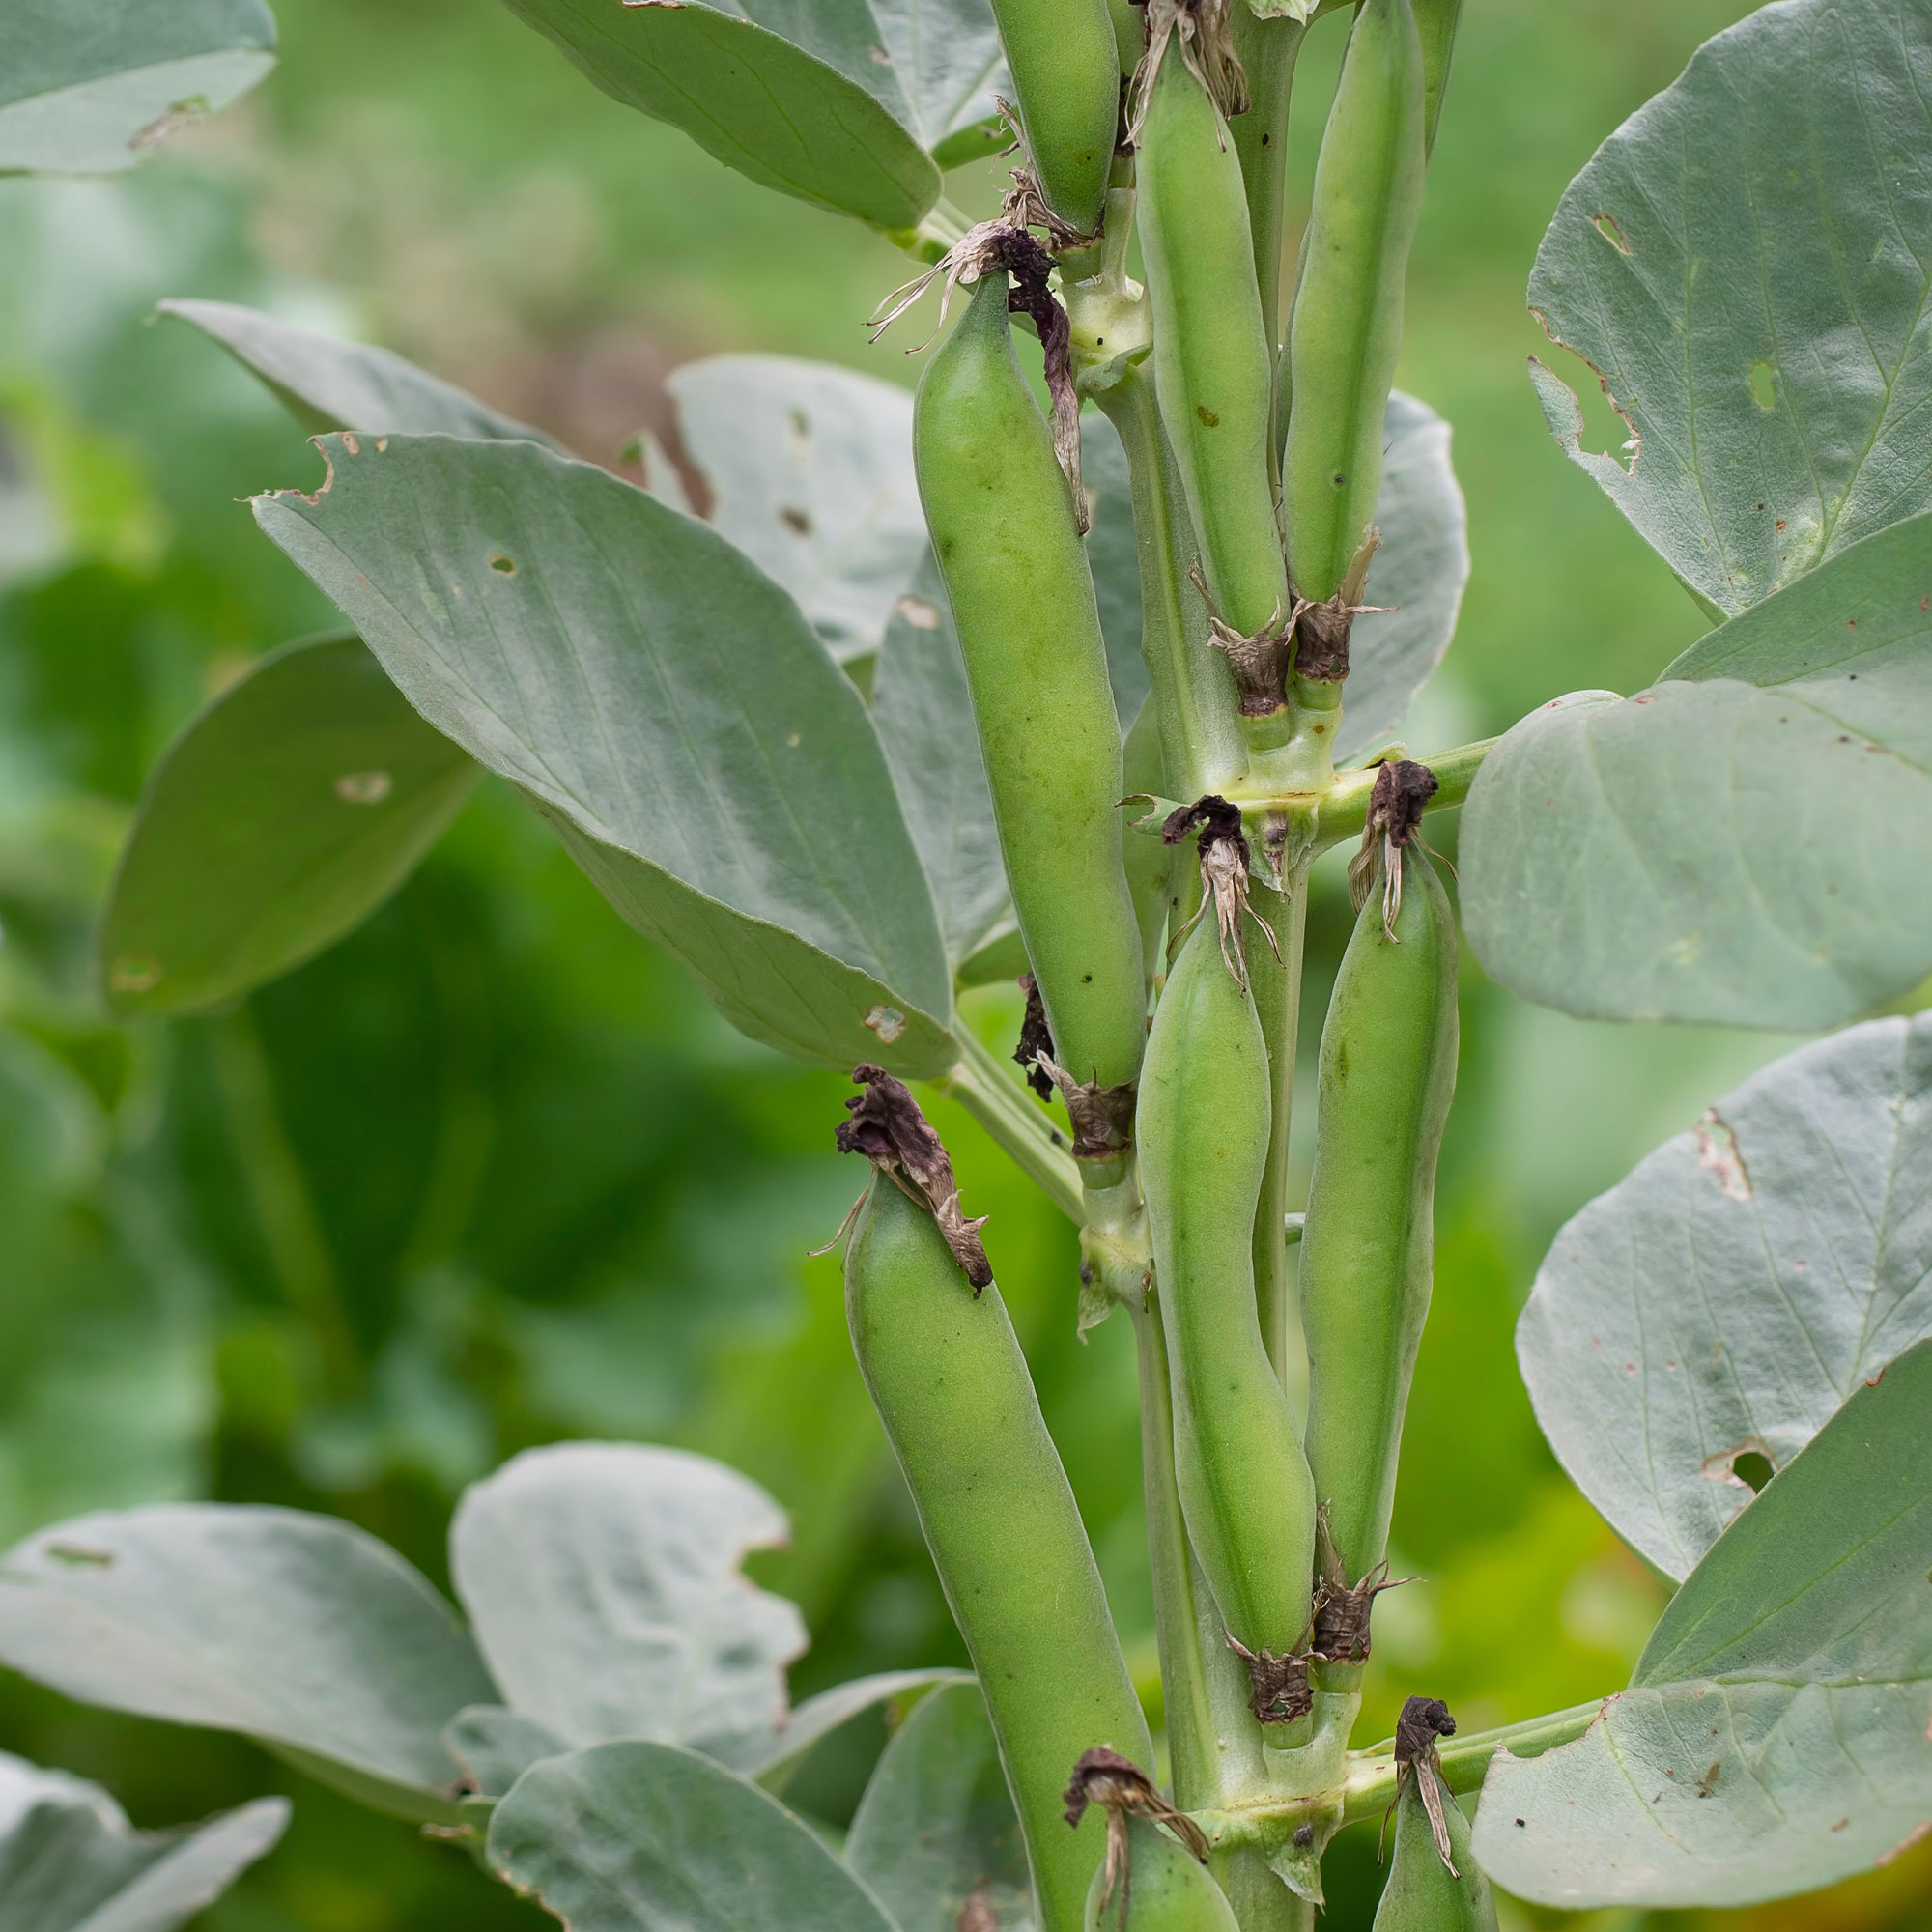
(952, 1389)
(1387, 1077)
(1167, 1889)
(1205, 1117)
(1422, 1894)
(1065, 65)
(1002, 522)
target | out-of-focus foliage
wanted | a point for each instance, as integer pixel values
(490, 1171)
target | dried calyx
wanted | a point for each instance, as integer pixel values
(1224, 875)
(1278, 1689)
(1401, 793)
(1102, 1116)
(1035, 1052)
(1203, 31)
(1342, 1611)
(1260, 663)
(888, 1129)
(1124, 1790)
(1323, 629)
(1422, 1721)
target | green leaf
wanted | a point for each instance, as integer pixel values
(1744, 263)
(770, 1755)
(70, 1862)
(1113, 558)
(827, 118)
(924, 712)
(1773, 1736)
(1733, 849)
(287, 809)
(1742, 1283)
(495, 1745)
(637, 1838)
(604, 1584)
(936, 1826)
(1420, 571)
(810, 469)
(299, 1631)
(90, 86)
(665, 709)
(329, 384)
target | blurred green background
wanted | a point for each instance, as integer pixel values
(490, 1171)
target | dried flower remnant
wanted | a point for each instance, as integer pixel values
(1122, 1790)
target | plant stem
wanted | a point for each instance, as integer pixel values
(1344, 806)
(1260, 1902)
(1369, 1789)
(1193, 692)
(1007, 1113)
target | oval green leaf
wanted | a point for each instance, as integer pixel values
(91, 86)
(604, 1586)
(300, 1630)
(70, 1862)
(284, 813)
(326, 383)
(1774, 1738)
(1743, 263)
(635, 1837)
(790, 119)
(666, 709)
(1743, 1281)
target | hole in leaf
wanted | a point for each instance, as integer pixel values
(1764, 386)
(502, 564)
(1605, 225)
(1753, 1469)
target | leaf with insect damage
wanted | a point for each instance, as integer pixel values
(1774, 1737)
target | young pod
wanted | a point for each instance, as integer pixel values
(1345, 331)
(1003, 527)
(1387, 1076)
(1422, 1893)
(1161, 1887)
(1436, 21)
(1066, 65)
(952, 1389)
(1204, 1120)
(1213, 368)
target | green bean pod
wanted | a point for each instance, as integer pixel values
(1422, 1894)
(1213, 368)
(1003, 526)
(1344, 332)
(952, 1389)
(1436, 21)
(1167, 1889)
(1387, 1076)
(1205, 1116)
(1066, 74)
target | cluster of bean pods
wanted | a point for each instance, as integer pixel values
(1166, 991)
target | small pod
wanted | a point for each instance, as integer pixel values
(1422, 1894)
(1387, 1076)
(1345, 331)
(1244, 1484)
(952, 1389)
(1213, 368)
(1436, 21)
(1003, 527)
(1164, 1887)
(1066, 65)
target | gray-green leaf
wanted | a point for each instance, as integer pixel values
(1420, 571)
(1737, 848)
(300, 1630)
(1774, 1738)
(810, 474)
(604, 1584)
(770, 1755)
(70, 1862)
(90, 86)
(642, 1837)
(1744, 262)
(813, 102)
(329, 384)
(284, 813)
(668, 710)
(1738, 1287)
(936, 1826)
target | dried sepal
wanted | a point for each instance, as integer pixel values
(1402, 789)
(1122, 1790)
(1102, 1116)
(1035, 1052)
(1278, 1688)
(1260, 663)
(1323, 629)
(888, 1129)
(1344, 1610)
(1422, 1721)
(1225, 860)
(1204, 32)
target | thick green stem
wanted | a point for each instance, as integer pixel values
(1345, 806)
(1260, 1902)
(1370, 1786)
(1193, 692)
(1007, 1113)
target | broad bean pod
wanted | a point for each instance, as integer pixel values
(1164, 1889)
(1422, 1894)
(1436, 21)
(1003, 527)
(952, 1389)
(1387, 1076)
(1213, 366)
(1344, 331)
(1245, 1491)
(1066, 65)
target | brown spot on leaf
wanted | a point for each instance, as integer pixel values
(1718, 1154)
